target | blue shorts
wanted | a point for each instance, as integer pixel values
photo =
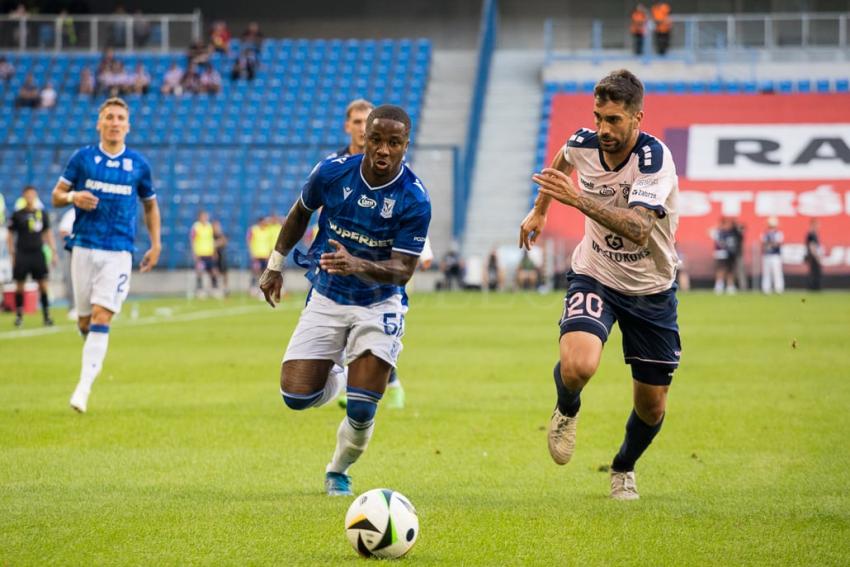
(651, 343)
(205, 264)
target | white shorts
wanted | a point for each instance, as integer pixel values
(100, 277)
(328, 330)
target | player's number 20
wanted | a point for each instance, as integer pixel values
(580, 303)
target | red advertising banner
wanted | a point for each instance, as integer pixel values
(745, 156)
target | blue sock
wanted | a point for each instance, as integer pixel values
(361, 407)
(569, 401)
(300, 401)
(638, 437)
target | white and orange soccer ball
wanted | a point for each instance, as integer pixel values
(382, 523)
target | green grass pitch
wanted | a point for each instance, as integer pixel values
(188, 456)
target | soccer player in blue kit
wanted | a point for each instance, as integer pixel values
(103, 183)
(372, 229)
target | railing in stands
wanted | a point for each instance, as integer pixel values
(486, 46)
(700, 37)
(74, 32)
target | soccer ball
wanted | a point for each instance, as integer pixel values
(382, 523)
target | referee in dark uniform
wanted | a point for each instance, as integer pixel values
(32, 230)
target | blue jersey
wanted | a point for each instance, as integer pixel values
(117, 181)
(370, 222)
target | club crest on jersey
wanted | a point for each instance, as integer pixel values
(97, 160)
(387, 210)
(366, 202)
(127, 164)
(346, 191)
(607, 191)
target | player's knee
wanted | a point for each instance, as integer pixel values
(650, 412)
(576, 372)
(300, 402)
(83, 326)
(362, 405)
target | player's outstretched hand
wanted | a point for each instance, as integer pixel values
(530, 229)
(558, 185)
(271, 284)
(149, 260)
(339, 262)
(85, 200)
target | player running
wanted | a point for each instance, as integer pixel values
(103, 183)
(622, 270)
(372, 228)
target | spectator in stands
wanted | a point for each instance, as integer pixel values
(814, 255)
(221, 253)
(452, 268)
(111, 80)
(47, 96)
(172, 81)
(638, 27)
(494, 277)
(199, 54)
(724, 259)
(252, 38)
(142, 30)
(192, 80)
(118, 28)
(245, 65)
(69, 29)
(28, 95)
(105, 61)
(220, 37)
(772, 278)
(7, 70)
(87, 86)
(527, 273)
(210, 81)
(663, 26)
(140, 80)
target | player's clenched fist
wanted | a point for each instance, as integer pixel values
(339, 262)
(271, 284)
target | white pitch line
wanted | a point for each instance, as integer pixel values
(192, 316)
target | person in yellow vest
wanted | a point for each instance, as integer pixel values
(258, 248)
(203, 253)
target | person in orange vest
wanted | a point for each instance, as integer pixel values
(638, 27)
(203, 253)
(663, 26)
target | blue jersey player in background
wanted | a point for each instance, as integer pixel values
(372, 229)
(103, 183)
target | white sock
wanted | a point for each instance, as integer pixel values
(335, 384)
(94, 351)
(350, 444)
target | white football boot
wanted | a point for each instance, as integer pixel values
(562, 436)
(623, 486)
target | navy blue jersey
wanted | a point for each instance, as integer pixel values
(117, 181)
(371, 222)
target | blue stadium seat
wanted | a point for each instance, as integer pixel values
(842, 85)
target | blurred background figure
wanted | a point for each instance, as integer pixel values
(221, 255)
(452, 268)
(259, 250)
(220, 37)
(638, 28)
(203, 254)
(683, 278)
(495, 276)
(814, 255)
(663, 26)
(772, 278)
(527, 272)
(724, 256)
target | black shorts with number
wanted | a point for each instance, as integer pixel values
(651, 343)
(32, 263)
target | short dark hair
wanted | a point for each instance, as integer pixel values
(621, 86)
(390, 112)
(29, 188)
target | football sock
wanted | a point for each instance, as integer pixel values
(569, 401)
(638, 437)
(19, 302)
(45, 305)
(94, 351)
(356, 428)
(300, 401)
(334, 385)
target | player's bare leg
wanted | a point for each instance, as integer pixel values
(367, 380)
(95, 329)
(650, 403)
(580, 355)
(307, 383)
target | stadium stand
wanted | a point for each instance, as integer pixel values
(240, 154)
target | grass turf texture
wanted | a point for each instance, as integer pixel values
(188, 456)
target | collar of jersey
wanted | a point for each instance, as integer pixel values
(111, 156)
(623, 163)
(394, 179)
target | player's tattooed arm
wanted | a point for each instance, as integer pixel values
(397, 270)
(534, 222)
(636, 223)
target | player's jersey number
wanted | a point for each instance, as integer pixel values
(394, 324)
(581, 303)
(122, 282)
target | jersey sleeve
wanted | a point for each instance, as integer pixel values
(145, 188)
(313, 191)
(656, 179)
(72, 172)
(414, 230)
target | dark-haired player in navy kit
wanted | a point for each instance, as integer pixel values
(372, 229)
(104, 183)
(623, 269)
